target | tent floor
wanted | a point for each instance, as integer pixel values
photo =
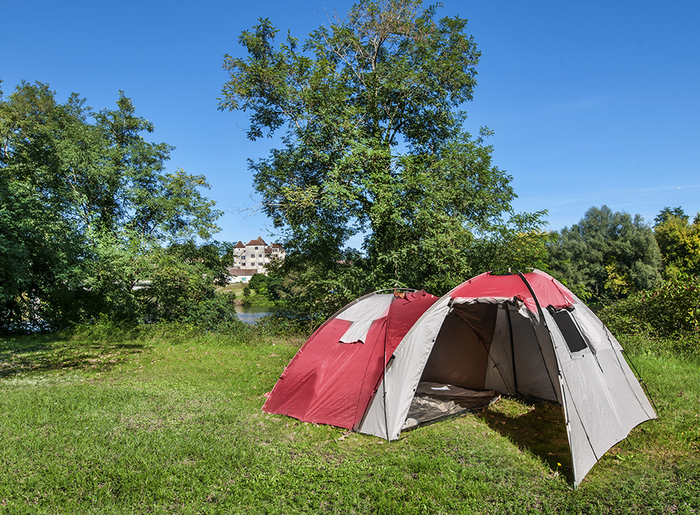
(434, 401)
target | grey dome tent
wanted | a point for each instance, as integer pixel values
(517, 334)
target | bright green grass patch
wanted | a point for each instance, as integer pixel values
(170, 422)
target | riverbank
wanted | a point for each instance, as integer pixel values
(254, 299)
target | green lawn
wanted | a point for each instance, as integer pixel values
(254, 299)
(171, 423)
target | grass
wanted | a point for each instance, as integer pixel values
(170, 422)
(254, 298)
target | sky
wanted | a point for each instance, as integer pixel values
(592, 103)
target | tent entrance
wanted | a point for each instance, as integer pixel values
(435, 401)
(491, 345)
(454, 377)
(460, 356)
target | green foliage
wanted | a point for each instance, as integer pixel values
(519, 244)
(670, 311)
(372, 144)
(667, 212)
(606, 255)
(679, 243)
(258, 283)
(315, 287)
(212, 256)
(83, 198)
(156, 286)
(175, 288)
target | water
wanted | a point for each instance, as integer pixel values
(251, 314)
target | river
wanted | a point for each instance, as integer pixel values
(251, 314)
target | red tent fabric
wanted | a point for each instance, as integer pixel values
(330, 381)
(549, 291)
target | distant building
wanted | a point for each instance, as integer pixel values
(255, 255)
(240, 275)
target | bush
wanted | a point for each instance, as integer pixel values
(669, 312)
(289, 323)
(216, 314)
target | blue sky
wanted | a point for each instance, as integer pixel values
(591, 102)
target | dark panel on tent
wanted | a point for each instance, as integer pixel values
(459, 356)
(568, 329)
(480, 317)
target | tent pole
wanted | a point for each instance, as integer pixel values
(641, 381)
(544, 323)
(512, 347)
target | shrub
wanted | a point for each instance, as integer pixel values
(216, 314)
(289, 323)
(671, 311)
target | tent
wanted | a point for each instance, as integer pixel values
(514, 334)
(518, 334)
(333, 377)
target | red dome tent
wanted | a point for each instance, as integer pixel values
(335, 374)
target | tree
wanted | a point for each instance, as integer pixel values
(78, 190)
(258, 283)
(518, 245)
(667, 213)
(606, 255)
(679, 242)
(212, 255)
(41, 250)
(372, 144)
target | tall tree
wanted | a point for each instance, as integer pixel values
(41, 249)
(607, 254)
(370, 109)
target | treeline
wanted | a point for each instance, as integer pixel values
(370, 110)
(92, 227)
(606, 257)
(610, 255)
(643, 279)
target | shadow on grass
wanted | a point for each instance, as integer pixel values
(45, 353)
(536, 426)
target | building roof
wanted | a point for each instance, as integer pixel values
(239, 245)
(259, 241)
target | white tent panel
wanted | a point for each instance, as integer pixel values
(388, 409)
(598, 400)
(362, 315)
(531, 369)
